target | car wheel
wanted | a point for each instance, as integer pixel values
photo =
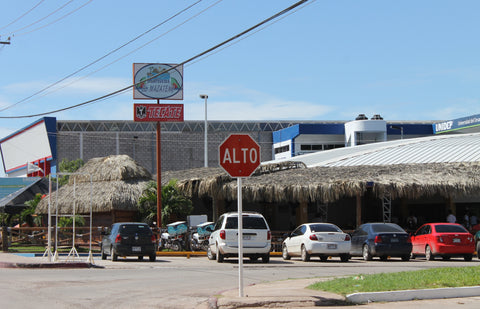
(468, 257)
(104, 255)
(323, 258)
(285, 254)
(344, 257)
(412, 256)
(266, 258)
(140, 257)
(210, 254)
(114, 255)
(220, 256)
(478, 249)
(367, 256)
(406, 257)
(152, 257)
(429, 254)
(305, 255)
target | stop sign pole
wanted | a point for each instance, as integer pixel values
(239, 156)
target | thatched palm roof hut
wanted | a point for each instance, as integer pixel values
(329, 184)
(296, 185)
(116, 184)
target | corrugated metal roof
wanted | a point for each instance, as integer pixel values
(432, 149)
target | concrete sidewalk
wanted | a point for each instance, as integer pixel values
(10, 260)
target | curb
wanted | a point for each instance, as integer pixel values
(406, 295)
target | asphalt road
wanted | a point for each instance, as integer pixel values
(171, 282)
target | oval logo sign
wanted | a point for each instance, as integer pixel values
(158, 81)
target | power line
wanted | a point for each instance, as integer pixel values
(265, 21)
(104, 56)
(43, 18)
(56, 20)
(23, 15)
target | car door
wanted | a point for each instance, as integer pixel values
(419, 240)
(296, 240)
(213, 236)
(359, 237)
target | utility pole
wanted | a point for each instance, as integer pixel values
(7, 42)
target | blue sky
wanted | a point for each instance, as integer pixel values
(329, 60)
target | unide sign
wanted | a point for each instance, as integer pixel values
(239, 155)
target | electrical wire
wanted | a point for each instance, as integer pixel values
(103, 57)
(23, 15)
(43, 18)
(235, 37)
(54, 21)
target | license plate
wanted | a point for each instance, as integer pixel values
(456, 240)
(394, 240)
(247, 237)
(331, 246)
(136, 249)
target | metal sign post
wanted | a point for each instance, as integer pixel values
(240, 237)
(239, 156)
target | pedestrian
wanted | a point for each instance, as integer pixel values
(473, 220)
(411, 222)
(451, 217)
(466, 221)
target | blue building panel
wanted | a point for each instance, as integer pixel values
(307, 128)
(456, 124)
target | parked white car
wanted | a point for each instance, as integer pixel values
(257, 237)
(317, 239)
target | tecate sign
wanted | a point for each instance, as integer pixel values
(157, 81)
(158, 112)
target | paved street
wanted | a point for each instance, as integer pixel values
(171, 282)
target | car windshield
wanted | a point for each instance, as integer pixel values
(248, 223)
(315, 228)
(386, 228)
(134, 228)
(445, 228)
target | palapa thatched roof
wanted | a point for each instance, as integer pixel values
(117, 183)
(329, 184)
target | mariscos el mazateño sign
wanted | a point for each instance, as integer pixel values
(158, 81)
(158, 112)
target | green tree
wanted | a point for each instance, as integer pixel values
(68, 221)
(174, 204)
(67, 166)
(27, 214)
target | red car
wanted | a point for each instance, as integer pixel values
(443, 239)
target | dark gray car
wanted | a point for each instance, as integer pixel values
(129, 239)
(382, 240)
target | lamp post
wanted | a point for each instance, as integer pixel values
(398, 128)
(205, 97)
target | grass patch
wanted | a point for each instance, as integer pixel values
(407, 280)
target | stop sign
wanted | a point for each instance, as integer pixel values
(239, 155)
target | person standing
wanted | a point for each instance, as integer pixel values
(451, 217)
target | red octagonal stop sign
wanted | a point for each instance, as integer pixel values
(239, 155)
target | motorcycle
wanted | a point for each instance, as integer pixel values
(175, 236)
(199, 240)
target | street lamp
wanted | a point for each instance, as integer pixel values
(205, 97)
(398, 128)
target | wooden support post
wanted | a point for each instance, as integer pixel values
(359, 209)
(4, 239)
